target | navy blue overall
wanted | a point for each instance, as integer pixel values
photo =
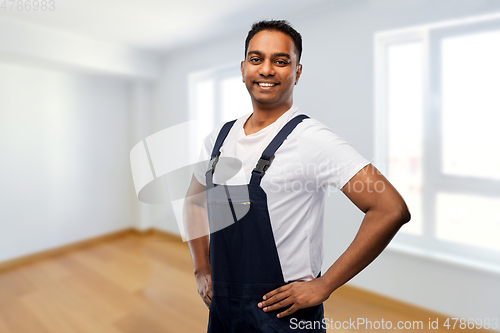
(243, 256)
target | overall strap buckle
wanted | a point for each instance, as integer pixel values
(213, 163)
(263, 165)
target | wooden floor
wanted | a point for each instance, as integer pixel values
(144, 284)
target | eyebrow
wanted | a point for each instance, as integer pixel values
(279, 54)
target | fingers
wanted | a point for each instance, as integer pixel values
(280, 304)
(207, 298)
(204, 285)
(208, 294)
(275, 297)
(277, 291)
(291, 296)
(288, 311)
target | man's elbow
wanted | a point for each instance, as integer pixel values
(397, 213)
(402, 214)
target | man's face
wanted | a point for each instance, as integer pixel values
(270, 69)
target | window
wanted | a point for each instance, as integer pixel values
(217, 96)
(437, 109)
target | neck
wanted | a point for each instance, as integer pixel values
(263, 117)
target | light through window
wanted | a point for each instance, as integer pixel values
(438, 107)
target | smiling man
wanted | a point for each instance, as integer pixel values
(259, 271)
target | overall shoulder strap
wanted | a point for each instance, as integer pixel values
(214, 158)
(224, 131)
(268, 154)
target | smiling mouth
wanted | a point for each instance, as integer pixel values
(267, 84)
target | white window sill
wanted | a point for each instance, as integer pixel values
(445, 258)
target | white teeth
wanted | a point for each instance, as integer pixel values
(264, 84)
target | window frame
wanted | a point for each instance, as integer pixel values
(217, 74)
(434, 180)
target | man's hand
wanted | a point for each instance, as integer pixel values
(299, 294)
(197, 231)
(204, 285)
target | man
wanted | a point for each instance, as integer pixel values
(260, 269)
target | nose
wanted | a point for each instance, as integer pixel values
(266, 69)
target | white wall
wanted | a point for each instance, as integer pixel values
(71, 109)
(337, 88)
(24, 42)
(140, 126)
(65, 171)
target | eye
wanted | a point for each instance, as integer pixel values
(281, 62)
(254, 60)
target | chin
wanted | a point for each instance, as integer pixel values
(266, 101)
(263, 98)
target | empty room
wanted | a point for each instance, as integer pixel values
(249, 166)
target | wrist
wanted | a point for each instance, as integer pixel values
(202, 270)
(327, 286)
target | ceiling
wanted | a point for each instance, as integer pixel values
(155, 25)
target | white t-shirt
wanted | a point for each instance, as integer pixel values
(309, 160)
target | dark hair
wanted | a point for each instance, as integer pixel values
(276, 25)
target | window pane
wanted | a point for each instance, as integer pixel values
(235, 100)
(468, 219)
(405, 69)
(204, 105)
(471, 105)
(203, 108)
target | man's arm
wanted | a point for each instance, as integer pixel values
(385, 213)
(197, 231)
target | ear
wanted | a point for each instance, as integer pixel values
(243, 71)
(298, 73)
